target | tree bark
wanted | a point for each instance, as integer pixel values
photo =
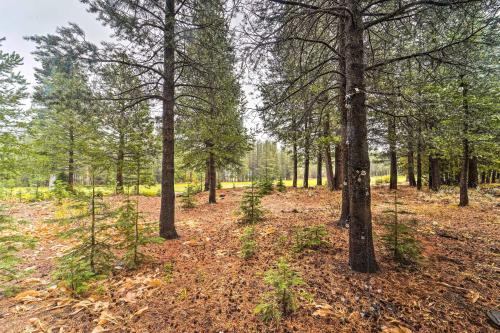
(167, 208)
(434, 174)
(120, 160)
(464, 175)
(411, 169)
(213, 179)
(319, 170)
(473, 174)
(339, 169)
(361, 250)
(483, 177)
(343, 155)
(419, 157)
(393, 182)
(207, 176)
(493, 176)
(306, 153)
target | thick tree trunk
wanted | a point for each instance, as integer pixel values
(120, 160)
(464, 175)
(295, 165)
(167, 208)
(319, 169)
(361, 250)
(393, 181)
(343, 154)
(71, 160)
(473, 174)
(213, 179)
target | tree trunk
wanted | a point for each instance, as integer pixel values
(411, 169)
(295, 165)
(339, 169)
(464, 175)
(120, 160)
(434, 174)
(483, 177)
(473, 174)
(207, 176)
(71, 160)
(343, 153)
(488, 176)
(213, 179)
(393, 183)
(167, 208)
(361, 250)
(328, 154)
(319, 170)
(493, 176)
(419, 157)
(306, 154)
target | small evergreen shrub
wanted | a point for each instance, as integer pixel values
(75, 273)
(399, 237)
(188, 201)
(60, 191)
(310, 238)
(281, 300)
(250, 207)
(265, 186)
(248, 243)
(280, 186)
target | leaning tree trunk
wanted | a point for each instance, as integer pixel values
(213, 179)
(119, 164)
(167, 208)
(361, 250)
(393, 182)
(343, 157)
(71, 160)
(464, 175)
(473, 174)
(319, 170)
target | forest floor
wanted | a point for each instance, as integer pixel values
(212, 289)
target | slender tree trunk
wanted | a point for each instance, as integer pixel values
(434, 174)
(473, 174)
(339, 169)
(419, 157)
(207, 176)
(493, 176)
(306, 153)
(167, 208)
(343, 155)
(488, 176)
(411, 169)
(119, 164)
(92, 227)
(393, 183)
(464, 175)
(361, 250)
(328, 154)
(483, 177)
(71, 160)
(213, 179)
(295, 164)
(319, 170)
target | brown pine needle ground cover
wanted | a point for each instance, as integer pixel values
(200, 283)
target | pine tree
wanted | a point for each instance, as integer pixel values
(250, 207)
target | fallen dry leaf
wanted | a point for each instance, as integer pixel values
(323, 310)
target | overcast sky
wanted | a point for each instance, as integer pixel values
(20, 18)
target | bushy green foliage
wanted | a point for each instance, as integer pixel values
(75, 273)
(399, 238)
(310, 238)
(265, 186)
(134, 235)
(11, 241)
(248, 243)
(187, 200)
(60, 191)
(280, 186)
(251, 207)
(281, 300)
(168, 271)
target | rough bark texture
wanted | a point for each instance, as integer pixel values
(361, 250)
(328, 157)
(206, 187)
(306, 154)
(393, 181)
(167, 208)
(319, 170)
(339, 170)
(213, 179)
(343, 151)
(473, 173)
(411, 169)
(464, 175)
